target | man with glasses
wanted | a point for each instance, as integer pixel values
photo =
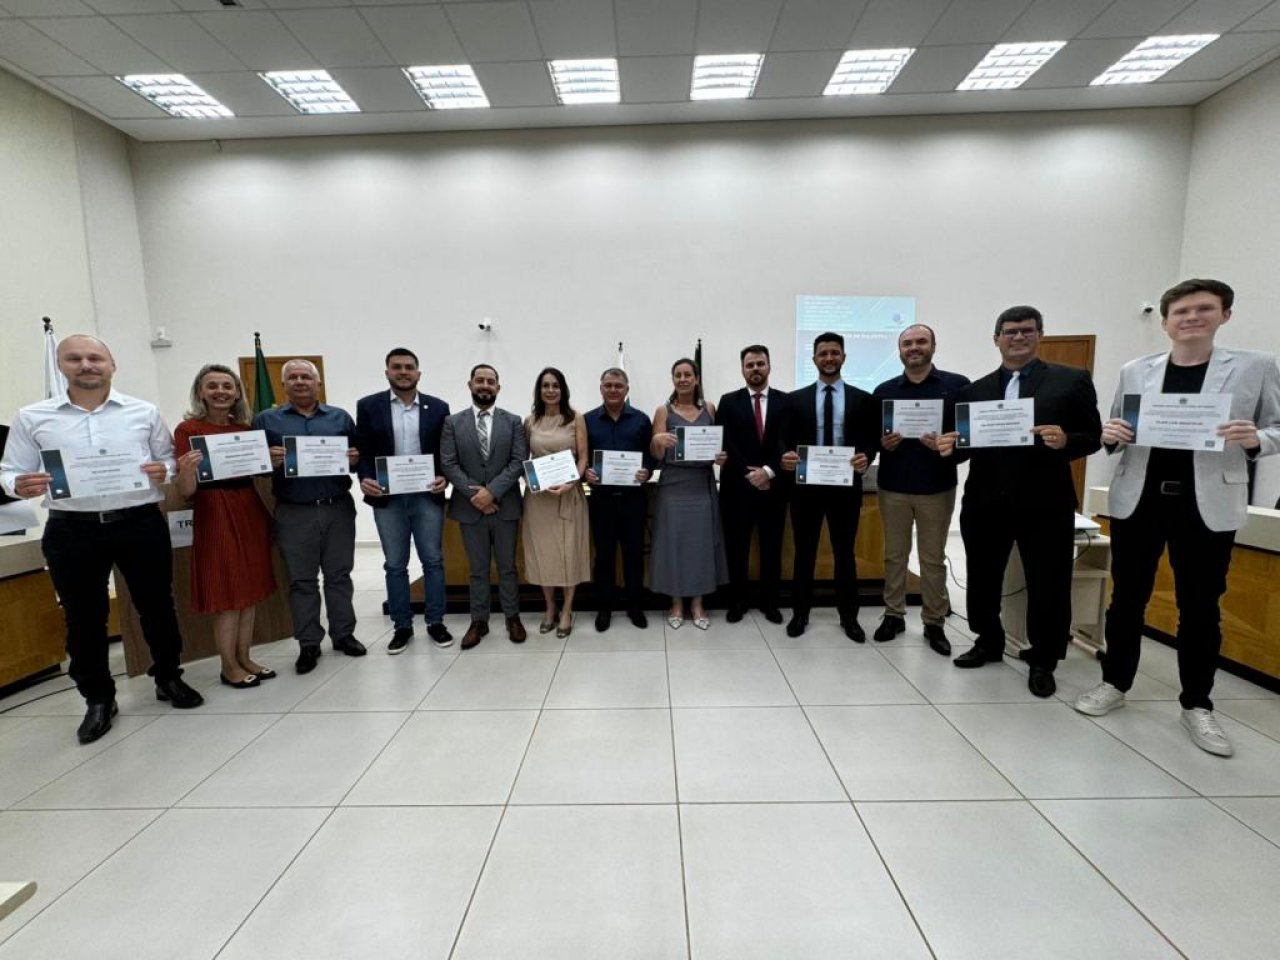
(1025, 495)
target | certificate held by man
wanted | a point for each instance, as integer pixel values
(996, 423)
(229, 455)
(316, 456)
(94, 471)
(698, 443)
(1177, 421)
(825, 466)
(543, 473)
(415, 473)
(911, 419)
(617, 468)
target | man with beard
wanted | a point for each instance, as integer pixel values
(315, 518)
(917, 487)
(752, 495)
(482, 452)
(403, 423)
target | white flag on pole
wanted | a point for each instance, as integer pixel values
(55, 384)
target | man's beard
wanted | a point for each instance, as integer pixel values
(482, 399)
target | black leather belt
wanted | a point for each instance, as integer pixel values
(1172, 488)
(317, 503)
(98, 516)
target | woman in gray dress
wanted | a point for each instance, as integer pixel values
(688, 557)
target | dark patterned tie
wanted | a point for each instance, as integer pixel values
(482, 428)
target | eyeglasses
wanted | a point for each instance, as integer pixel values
(1027, 332)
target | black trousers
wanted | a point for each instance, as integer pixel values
(1200, 558)
(617, 520)
(81, 551)
(840, 508)
(741, 513)
(1046, 543)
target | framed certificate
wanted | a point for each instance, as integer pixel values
(617, 468)
(1177, 421)
(95, 471)
(551, 470)
(226, 455)
(316, 457)
(408, 474)
(996, 423)
(825, 466)
(698, 443)
(911, 418)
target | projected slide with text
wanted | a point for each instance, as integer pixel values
(870, 327)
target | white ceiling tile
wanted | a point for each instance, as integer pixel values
(816, 24)
(96, 40)
(113, 7)
(1212, 16)
(1076, 64)
(245, 93)
(1223, 57)
(1054, 20)
(180, 42)
(796, 74)
(30, 50)
(379, 89)
(935, 69)
(735, 26)
(524, 84)
(259, 39)
(1268, 19)
(48, 8)
(415, 35)
(975, 21)
(495, 31)
(108, 96)
(1134, 18)
(655, 79)
(338, 38)
(655, 27)
(569, 29)
(892, 23)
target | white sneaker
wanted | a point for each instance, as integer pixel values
(1205, 732)
(1101, 700)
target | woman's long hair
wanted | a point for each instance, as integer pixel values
(567, 414)
(697, 382)
(200, 410)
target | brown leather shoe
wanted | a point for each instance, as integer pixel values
(477, 630)
(515, 630)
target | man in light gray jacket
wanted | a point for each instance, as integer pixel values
(1193, 501)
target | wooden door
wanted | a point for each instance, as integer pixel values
(1071, 350)
(275, 367)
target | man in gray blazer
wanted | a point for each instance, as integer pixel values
(1193, 501)
(482, 452)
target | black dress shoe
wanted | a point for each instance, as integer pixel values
(890, 627)
(244, 683)
(772, 614)
(638, 619)
(399, 640)
(97, 721)
(853, 630)
(602, 620)
(475, 633)
(797, 625)
(175, 691)
(439, 634)
(307, 658)
(937, 638)
(735, 613)
(1041, 682)
(350, 646)
(975, 657)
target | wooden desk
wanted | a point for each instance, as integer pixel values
(32, 636)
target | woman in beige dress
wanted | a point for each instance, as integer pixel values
(557, 538)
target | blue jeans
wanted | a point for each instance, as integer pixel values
(416, 515)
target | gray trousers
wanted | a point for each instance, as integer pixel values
(315, 539)
(492, 539)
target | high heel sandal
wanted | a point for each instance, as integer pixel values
(546, 626)
(562, 632)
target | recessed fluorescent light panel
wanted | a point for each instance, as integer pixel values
(1008, 65)
(585, 81)
(867, 71)
(448, 88)
(724, 76)
(176, 95)
(1152, 59)
(311, 91)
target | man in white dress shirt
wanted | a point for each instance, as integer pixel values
(87, 535)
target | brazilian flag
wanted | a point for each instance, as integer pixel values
(264, 395)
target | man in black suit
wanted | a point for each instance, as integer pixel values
(752, 495)
(828, 413)
(402, 422)
(1025, 495)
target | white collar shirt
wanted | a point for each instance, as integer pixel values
(404, 425)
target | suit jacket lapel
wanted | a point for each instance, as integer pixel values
(1033, 380)
(1153, 376)
(1222, 365)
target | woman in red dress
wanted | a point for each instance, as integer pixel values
(231, 552)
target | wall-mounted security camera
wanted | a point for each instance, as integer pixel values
(1148, 308)
(486, 325)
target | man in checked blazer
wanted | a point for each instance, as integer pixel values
(1191, 501)
(482, 451)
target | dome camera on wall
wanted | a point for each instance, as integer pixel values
(486, 325)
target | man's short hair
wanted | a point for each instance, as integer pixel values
(1197, 285)
(484, 366)
(754, 348)
(1019, 314)
(616, 372)
(299, 362)
(933, 337)
(401, 352)
(828, 337)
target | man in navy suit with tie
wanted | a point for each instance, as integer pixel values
(403, 422)
(752, 494)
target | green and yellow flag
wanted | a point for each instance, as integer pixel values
(264, 395)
